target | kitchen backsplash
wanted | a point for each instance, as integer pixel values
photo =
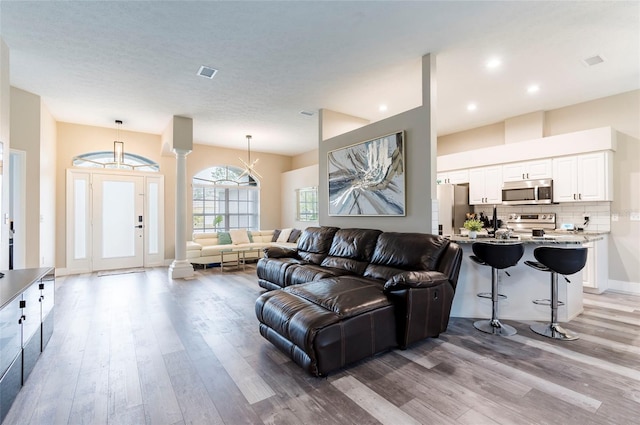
(599, 213)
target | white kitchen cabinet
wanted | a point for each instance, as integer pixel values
(485, 185)
(454, 177)
(528, 170)
(583, 178)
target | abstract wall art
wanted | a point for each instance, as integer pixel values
(367, 179)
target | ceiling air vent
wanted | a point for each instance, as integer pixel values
(593, 60)
(207, 72)
(307, 113)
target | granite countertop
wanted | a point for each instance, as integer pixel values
(550, 238)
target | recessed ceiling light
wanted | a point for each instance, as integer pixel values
(593, 60)
(533, 88)
(472, 107)
(207, 72)
(493, 63)
(382, 108)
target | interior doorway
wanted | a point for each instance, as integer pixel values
(114, 220)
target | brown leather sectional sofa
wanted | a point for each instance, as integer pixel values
(346, 294)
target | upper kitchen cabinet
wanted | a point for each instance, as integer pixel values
(454, 177)
(528, 170)
(485, 185)
(583, 178)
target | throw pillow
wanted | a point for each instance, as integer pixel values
(295, 234)
(239, 236)
(276, 233)
(250, 237)
(224, 238)
(284, 235)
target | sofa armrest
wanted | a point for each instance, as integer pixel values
(193, 246)
(414, 279)
(422, 301)
(280, 252)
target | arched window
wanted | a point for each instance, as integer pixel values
(225, 198)
(104, 159)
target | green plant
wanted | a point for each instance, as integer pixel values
(473, 224)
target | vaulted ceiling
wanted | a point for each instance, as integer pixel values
(137, 61)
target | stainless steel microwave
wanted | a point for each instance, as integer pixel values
(527, 192)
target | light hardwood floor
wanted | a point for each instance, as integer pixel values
(139, 348)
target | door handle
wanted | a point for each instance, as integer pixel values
(138, 226)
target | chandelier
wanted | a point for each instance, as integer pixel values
(249, 167)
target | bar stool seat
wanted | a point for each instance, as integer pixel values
(554, 260)
(498, 257)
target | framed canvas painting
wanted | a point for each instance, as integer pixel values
(367, 179)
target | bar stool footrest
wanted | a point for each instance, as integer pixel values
(490, 296)
(546, 302)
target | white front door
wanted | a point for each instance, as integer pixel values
(118, 221)
(114, 220)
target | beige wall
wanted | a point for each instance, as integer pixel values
(481, 137)
(25, 136)
(48, 193)
(304, 159)
(291, 181)
(335, 123)
(624, 243)
(619, 111)
(5, 106)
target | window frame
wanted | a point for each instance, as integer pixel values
(307, 196)
(221, 195)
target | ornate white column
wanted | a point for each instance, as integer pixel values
(181, 268)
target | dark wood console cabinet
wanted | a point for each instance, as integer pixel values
(27, 299)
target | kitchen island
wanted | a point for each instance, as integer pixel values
(523, 286)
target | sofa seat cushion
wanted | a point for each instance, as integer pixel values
(214, 250)
(273, 270)
(304, 273)
(346, 296)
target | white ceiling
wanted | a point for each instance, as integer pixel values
(95, 62)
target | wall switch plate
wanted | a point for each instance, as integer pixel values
(615, 217)
(634, 216)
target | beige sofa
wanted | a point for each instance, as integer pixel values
(235, 246)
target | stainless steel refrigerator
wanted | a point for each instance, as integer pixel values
(453, 206)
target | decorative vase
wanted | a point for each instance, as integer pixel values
(473, 234)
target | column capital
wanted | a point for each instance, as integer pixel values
(181, 152)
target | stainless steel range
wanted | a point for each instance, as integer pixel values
(521, 222)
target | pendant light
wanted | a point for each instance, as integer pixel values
(249, 167)
(118, 147)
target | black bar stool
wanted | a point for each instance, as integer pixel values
(498, 257)
(562, 261)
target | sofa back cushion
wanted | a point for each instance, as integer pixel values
(397, 252)
(205, 239)
(315, 242)
(239, 236)
(261, 236)
(352, 249)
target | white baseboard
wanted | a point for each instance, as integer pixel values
(624, 287)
